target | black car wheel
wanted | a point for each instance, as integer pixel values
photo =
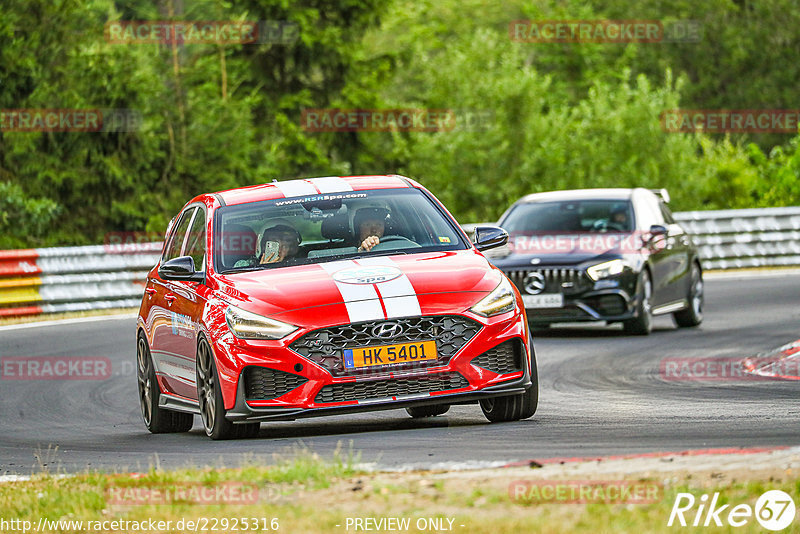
(642, 324)
(212, 406)
(514, 407)
(156, 419)
(693, 314)
(427, 411)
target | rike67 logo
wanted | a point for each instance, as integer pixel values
(774, 510)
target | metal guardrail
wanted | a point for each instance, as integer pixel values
(729, 239)
(51, 280)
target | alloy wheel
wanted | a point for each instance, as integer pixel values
(206, 384)
(143, 378)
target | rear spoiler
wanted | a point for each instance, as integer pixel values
(663, 194)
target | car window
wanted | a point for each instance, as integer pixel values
(196, 240)
(322, 228)
(570, 216)
(178, 237)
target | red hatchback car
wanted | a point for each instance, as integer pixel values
(327, 296)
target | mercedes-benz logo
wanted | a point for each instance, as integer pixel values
(387, 330)
(534, 283)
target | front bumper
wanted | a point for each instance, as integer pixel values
(459, 381)
(243, 412)
(607, 305)
(611, 299)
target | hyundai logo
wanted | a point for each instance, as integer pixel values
(534, 283)
(387, 330)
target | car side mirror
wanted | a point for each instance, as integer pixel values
(487, 237)
(180, 269)
(658, 230)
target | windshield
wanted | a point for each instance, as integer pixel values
(295, 231)
(570, 216)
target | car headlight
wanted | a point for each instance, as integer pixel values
(247, 325)
(500, 300)
(606, 269)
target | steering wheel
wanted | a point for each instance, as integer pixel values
(389, 240)
(619, 227)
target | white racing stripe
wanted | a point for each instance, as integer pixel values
(331, 184)
(296, 188)
(361, 300)
(399, 297)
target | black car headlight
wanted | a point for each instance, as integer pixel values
(500, 300)
(248, 325)
(606, 269)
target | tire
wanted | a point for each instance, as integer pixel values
(428, 411)
(212, 406)
(693, 315)
(642, 324)
(156, 419)
(514, 407)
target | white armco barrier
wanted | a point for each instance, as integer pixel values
(51, 280)
(729, 239)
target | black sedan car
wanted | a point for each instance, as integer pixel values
(614, 255)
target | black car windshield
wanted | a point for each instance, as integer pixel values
(295, 231)
(569, 216)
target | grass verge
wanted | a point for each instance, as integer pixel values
(302, 493)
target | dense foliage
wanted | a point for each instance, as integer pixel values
(220, 116)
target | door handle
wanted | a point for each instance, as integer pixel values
(150, 291)
(170, 298)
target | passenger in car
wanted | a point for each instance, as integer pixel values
(288, 244)
(278, 243)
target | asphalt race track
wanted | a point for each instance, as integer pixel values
(601, 393)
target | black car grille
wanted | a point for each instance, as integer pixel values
(261, 383)
(566, 281)
(381, 389)
(324, 346)
(504, 358)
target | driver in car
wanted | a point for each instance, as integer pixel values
(370, 224)
(619, 219)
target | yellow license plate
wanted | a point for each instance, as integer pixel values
(389, 354)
